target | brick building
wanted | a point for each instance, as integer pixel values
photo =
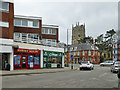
(78, 33)
(27, 43)
(82, 52)
(6, 32)
(116, 51)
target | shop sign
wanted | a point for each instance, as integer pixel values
(52, 54)
(27, 51)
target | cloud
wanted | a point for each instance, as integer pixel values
(97, 16)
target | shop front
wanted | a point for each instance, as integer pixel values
(52, 59)
(26, 59)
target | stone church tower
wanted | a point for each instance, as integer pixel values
(78, 33)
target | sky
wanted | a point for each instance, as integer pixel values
(97, 16)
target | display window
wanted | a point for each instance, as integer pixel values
(17, 60)
(30, 59)
(26, 59)
(37, 60)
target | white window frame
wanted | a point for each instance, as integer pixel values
(1, 8)
(49, 31)
(29, 23)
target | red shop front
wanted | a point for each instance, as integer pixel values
(26, 59)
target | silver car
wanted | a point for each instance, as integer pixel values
(107, 63)
(115, 66)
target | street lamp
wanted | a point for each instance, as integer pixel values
(67, 47)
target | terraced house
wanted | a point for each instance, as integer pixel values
(82, 52)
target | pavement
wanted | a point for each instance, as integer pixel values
(37, 71)
(33, 71)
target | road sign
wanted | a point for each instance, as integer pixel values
(71, 56)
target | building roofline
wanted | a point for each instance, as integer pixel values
(50, 26)
(11, 1)
(28, 17)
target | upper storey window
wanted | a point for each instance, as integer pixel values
(26, 23)
(4, 6)
(48, 31)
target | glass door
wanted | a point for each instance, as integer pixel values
(24, 61)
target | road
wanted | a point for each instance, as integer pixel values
(100, 77)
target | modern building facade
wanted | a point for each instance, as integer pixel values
(24, 41)
(82, 52)
(78, 33)
(49, 34)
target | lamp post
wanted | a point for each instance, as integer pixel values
(67, 47)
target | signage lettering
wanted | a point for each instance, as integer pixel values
(52, 54)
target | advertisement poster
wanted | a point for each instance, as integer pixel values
(31, 64)
(17, 60)
(36, 60)
(30, 59)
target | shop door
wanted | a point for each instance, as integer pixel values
(4, 61)
(24, 62)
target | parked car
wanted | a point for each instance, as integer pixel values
(107, 63)
(115, 67)
(86, 65)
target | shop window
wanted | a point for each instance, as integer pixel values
(30, 59)
(37, 60)
(17, 60)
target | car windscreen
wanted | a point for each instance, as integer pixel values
(84, 62)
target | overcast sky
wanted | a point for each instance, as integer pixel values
(97, 16)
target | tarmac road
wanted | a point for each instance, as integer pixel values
(100, 77)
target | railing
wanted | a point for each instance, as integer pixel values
(35, 41)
